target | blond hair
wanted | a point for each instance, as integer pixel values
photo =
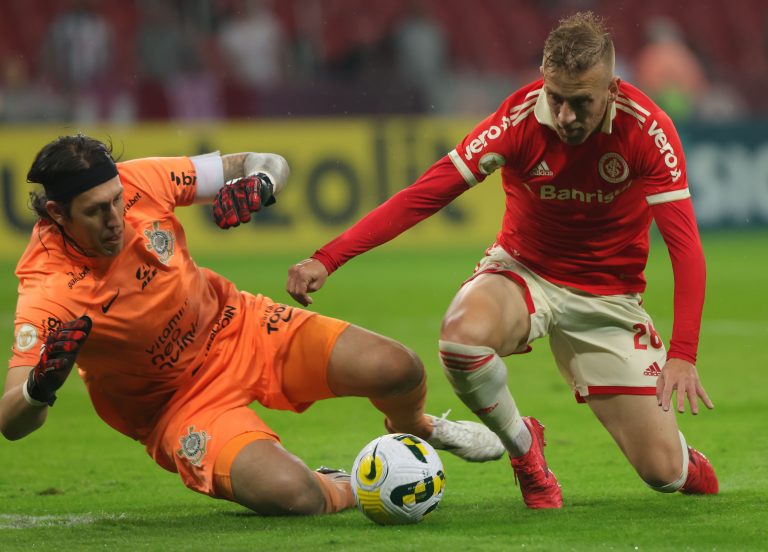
(580, 42)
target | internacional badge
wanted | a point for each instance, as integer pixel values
(613, 168)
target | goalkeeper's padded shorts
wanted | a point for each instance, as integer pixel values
(279, 360)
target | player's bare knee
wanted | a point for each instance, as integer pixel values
(484, 332)
(401, 370)
(662, 471)
(459, 329)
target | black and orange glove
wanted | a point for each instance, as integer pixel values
(56, 359)
(236, 201)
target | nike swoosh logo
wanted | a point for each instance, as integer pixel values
(372, 473)
(106, 306)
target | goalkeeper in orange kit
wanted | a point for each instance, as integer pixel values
(171, 353)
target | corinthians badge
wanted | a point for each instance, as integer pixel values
(161, 242)
(193, 445)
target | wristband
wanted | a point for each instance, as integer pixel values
(269, 181)
(29, 399)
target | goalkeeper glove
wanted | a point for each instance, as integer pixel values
(56, 360)
(236, 201)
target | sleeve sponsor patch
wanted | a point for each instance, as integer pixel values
(26, 337)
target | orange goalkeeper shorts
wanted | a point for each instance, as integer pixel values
(279, 357)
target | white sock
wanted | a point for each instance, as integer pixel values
(676, 485)
(479, 378)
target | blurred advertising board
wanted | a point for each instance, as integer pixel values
(342, 168)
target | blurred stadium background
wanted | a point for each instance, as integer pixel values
(362, 96)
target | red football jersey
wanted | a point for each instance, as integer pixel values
(578, 215)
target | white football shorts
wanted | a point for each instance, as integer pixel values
(602, 344)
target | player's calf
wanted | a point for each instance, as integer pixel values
(479, 378)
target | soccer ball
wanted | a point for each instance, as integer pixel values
(397, 479)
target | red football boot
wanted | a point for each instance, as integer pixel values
(701, 477)
(539, 485)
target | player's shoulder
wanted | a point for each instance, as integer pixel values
(173, 170)
(45, 264)
(524, 99)
(633, 106)
(147, 181)
(516, 112)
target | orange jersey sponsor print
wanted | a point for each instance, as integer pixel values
(156, 314)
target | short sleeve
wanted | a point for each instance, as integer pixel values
(172, 181)
(31, 327)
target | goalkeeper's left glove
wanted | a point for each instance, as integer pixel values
(236, 201)
(56, 360)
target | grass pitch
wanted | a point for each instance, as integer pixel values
(78, 485)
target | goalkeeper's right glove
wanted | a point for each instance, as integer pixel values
(236, 201)
(56, 360)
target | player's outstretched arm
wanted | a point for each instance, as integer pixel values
(304, 278)
(436, 188)
(29, 391)
(18, 418)
(680, 376)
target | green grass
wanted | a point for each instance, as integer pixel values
(77, 485)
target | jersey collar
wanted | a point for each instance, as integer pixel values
(544, 115)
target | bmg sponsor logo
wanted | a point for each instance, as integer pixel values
(183, 179)
(50, 325)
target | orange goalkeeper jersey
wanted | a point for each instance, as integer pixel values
(156, 314)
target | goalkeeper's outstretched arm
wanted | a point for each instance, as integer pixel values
(215, 170)
(31, 390)
(19, 418)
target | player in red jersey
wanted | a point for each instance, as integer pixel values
(171, 353)
(586, 162)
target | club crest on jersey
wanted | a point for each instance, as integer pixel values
(193, 446)
(161, 242)
(613, 168)
(26, 337)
